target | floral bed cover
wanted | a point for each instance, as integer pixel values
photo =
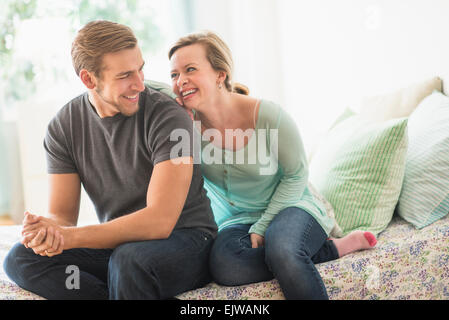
(405, 264)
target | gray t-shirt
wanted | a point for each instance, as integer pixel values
(114, 156)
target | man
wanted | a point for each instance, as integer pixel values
(156, 226)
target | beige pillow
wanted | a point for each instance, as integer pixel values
(397, 104)
(400, 103)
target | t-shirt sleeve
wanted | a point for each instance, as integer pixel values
(58, 156)
(171, 136)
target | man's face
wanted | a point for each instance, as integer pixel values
(121, 82)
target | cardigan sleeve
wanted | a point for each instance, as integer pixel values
(292, 162)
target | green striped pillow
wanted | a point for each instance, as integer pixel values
(425, 194)
(359, 169)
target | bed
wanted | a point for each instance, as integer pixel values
(406, 264)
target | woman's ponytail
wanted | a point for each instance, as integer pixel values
(240, 88)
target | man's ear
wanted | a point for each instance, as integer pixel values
(88, 79)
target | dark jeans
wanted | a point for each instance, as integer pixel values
(294, 243)
(156, 269)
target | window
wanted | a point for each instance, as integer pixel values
(37, 77)
(36, 36)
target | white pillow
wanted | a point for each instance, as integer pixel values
(399, 103)
(425, 192)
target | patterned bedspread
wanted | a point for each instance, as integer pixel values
(405, 264)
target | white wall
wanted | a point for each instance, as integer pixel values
(317, 57)
(11, 176)
(251, 30)
(335, 52)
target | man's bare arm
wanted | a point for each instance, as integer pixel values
(64, 198)
(166, 195)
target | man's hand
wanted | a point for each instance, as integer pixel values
(42, 235)
(257, 240)
(28, 236)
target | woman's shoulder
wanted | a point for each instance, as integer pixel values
(270, 105)
(270, 113)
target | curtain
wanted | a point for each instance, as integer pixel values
(4, 193)
(251, 30)
(11, 185)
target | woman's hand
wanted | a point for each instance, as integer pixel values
(257, 240)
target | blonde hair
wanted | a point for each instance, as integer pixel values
(218, 54)
(96, 39)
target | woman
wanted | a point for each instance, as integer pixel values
(255, 172)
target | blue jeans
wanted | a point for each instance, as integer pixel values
(156, 269)
(294, 243)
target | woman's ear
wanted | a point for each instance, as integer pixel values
(221, 77)
(88, 79)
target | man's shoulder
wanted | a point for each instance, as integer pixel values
(71, 108)
(161, 105)
(157, 97)
(70, 111)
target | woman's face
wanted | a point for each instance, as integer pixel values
(194, 80)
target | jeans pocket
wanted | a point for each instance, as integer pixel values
(245, 241)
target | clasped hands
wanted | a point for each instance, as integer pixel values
(43, 235)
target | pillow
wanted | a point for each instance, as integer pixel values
(161, 87)
(336, 231)
(425, 193)
(400, 103)
(347, 113)
(359, 169)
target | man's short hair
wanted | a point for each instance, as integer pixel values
(96, 39)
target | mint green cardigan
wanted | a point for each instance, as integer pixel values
(254, 183)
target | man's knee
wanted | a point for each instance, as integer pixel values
(15, 262)
(128, 270)
(125, 257)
